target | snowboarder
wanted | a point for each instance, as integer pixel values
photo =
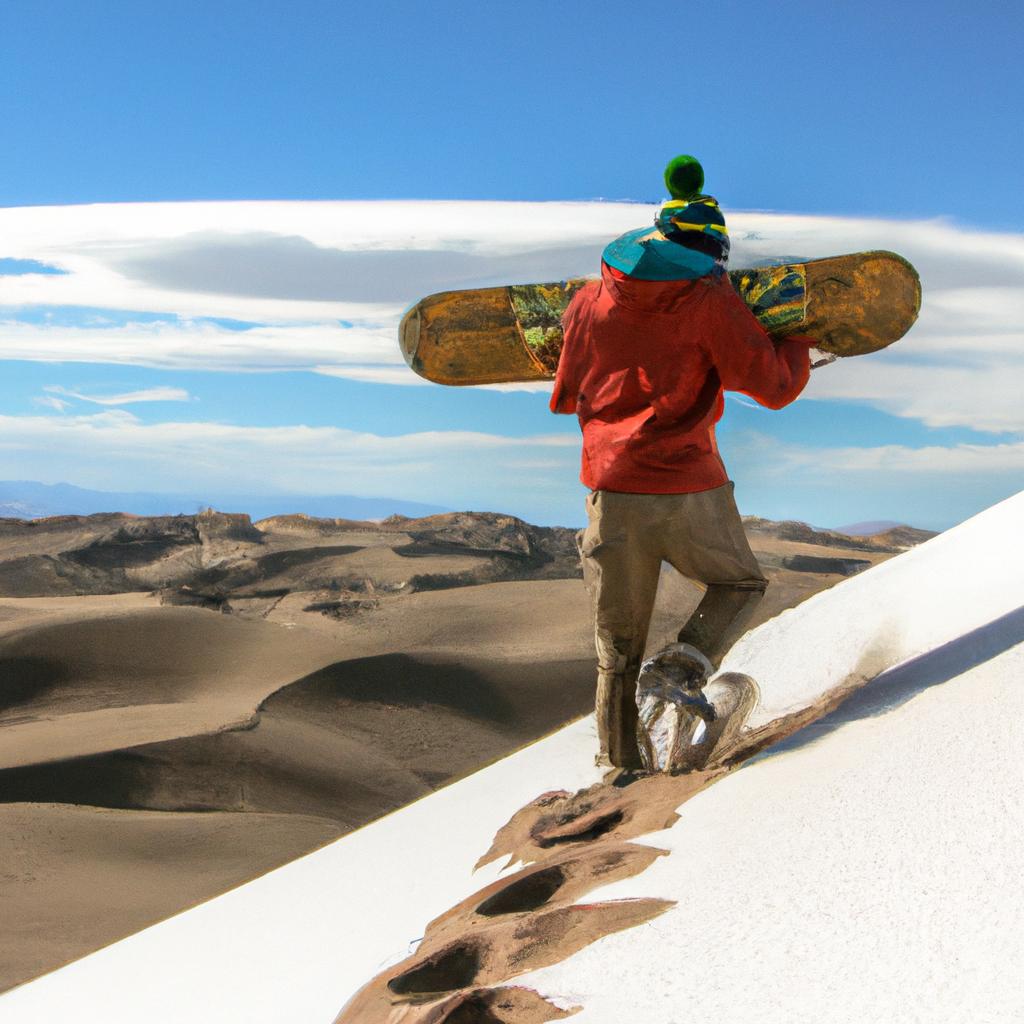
(649, 350)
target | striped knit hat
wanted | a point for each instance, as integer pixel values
(689, 238)
(696, 223)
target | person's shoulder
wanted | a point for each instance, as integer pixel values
(721, 292)
(583, 296)
(719, 282)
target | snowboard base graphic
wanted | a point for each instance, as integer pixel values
(851, 304)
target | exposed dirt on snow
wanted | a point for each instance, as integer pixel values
(571, 843)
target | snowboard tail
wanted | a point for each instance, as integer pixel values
(851, 305)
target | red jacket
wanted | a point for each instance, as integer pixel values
(644, 365)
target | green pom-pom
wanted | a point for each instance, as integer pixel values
(684, 177)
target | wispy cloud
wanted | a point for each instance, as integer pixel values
(747, 403)
(114, 450)
(932, 460)
(51, 402)
(531, 476)
(965, 388)
(380, 374)
(322, 286)
(201, 345)
(932, 486)
(162, 394)
(298, 269)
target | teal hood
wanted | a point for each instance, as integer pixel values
(646, 254)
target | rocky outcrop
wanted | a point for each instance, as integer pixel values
(896, 539)
(814, 563)
(902, 537)
(226, 562)
(518, 550)
(301, 525)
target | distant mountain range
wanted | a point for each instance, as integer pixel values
(869, 528)
(341, 566)
(27, 499)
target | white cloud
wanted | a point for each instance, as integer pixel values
(747, 403)
(965, 389)
(114, 450)
(299, 268)
(535, 477)
(975, 310)
(50, 402)
(932, 486)
(932, 460)
(373, 374)
(202, 345)
(126, 398)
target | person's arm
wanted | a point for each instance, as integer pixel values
(749, 360)
(567, 377)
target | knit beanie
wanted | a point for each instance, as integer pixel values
(689, 239)
(696, 223)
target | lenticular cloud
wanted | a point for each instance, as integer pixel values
(321, 286)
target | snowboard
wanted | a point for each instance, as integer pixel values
(851, 304)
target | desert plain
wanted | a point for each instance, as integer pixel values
(187, 702)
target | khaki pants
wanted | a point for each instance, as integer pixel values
(627, 538)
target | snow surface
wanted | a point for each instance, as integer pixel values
(869, 870)
(866, 869)
(293, 945)
(929, 596)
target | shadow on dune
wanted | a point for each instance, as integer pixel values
(402, 680)
(426, 548)
(82, 666)
(271, 768)
(140, 657)
(898, 685)
(279, 561)
(519, 699)
(348, 742)
(123, 551)
(29, 679)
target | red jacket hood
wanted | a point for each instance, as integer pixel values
(650, 296)
(644, 365)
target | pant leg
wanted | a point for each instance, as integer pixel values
(707, 543)
(621, 567)
(720, 619)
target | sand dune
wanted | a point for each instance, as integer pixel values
(77, 878)
(348, 742)
(153, 751)
(129, 711)
(76, 687)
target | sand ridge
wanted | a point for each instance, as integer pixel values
(207, 669)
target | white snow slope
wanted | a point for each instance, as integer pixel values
(866, 869)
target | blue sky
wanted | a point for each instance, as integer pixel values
(200, 343)
(873, 108)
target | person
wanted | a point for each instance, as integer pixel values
(649, 349)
